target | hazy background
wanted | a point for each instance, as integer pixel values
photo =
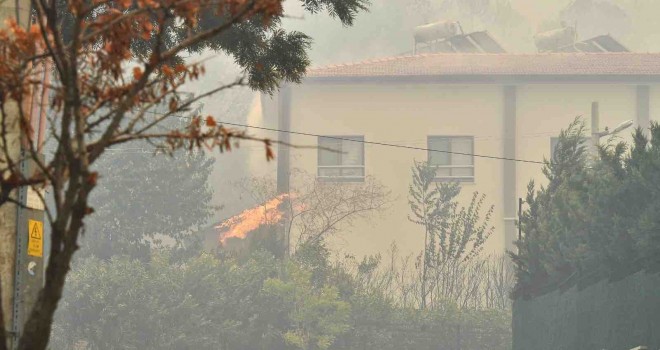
(387, 30)
(114, 299)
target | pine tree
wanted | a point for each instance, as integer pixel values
(146, 199)
(554, 213)
(596, 218)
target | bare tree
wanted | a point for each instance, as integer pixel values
(501, 280)
(316, 209)
(483, 283)
(320, 209)
(453, 235)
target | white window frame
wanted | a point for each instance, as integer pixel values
(341, 178)
(465, 179)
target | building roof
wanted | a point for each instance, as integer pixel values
(597, 66)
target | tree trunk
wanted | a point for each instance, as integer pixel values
(37, 329)
(424, 269)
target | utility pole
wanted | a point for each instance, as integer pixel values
(596, 134)
(21, 226)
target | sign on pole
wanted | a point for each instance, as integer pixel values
(35, 238)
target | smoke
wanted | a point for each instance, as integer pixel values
(385, 31)
(233, 106)
(538, 12)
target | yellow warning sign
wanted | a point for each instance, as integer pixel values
(35, 238)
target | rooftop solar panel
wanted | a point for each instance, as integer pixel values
(487, 42)
(608, 43)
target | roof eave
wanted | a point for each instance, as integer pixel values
(504, 79)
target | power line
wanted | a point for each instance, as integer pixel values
(381, 143)
(134, 150)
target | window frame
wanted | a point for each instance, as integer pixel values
(461, 179)
(341, 178)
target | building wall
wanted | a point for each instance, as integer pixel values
(544, 110)
(407, 113)
(654, 98)
(401, 114)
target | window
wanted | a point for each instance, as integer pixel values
(555, 140)
(341, 158)
(452, 157)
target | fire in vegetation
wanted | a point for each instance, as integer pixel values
(239, 226)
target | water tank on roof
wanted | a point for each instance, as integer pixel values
(555, 39)
(436, 31)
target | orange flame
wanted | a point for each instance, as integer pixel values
(250, 219)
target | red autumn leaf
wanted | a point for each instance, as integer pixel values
(147, 28)
(270, 155)
(167, 71)
(180, 68)
(93, 178)
(173, 104)
(210, 121)
(137, 73)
